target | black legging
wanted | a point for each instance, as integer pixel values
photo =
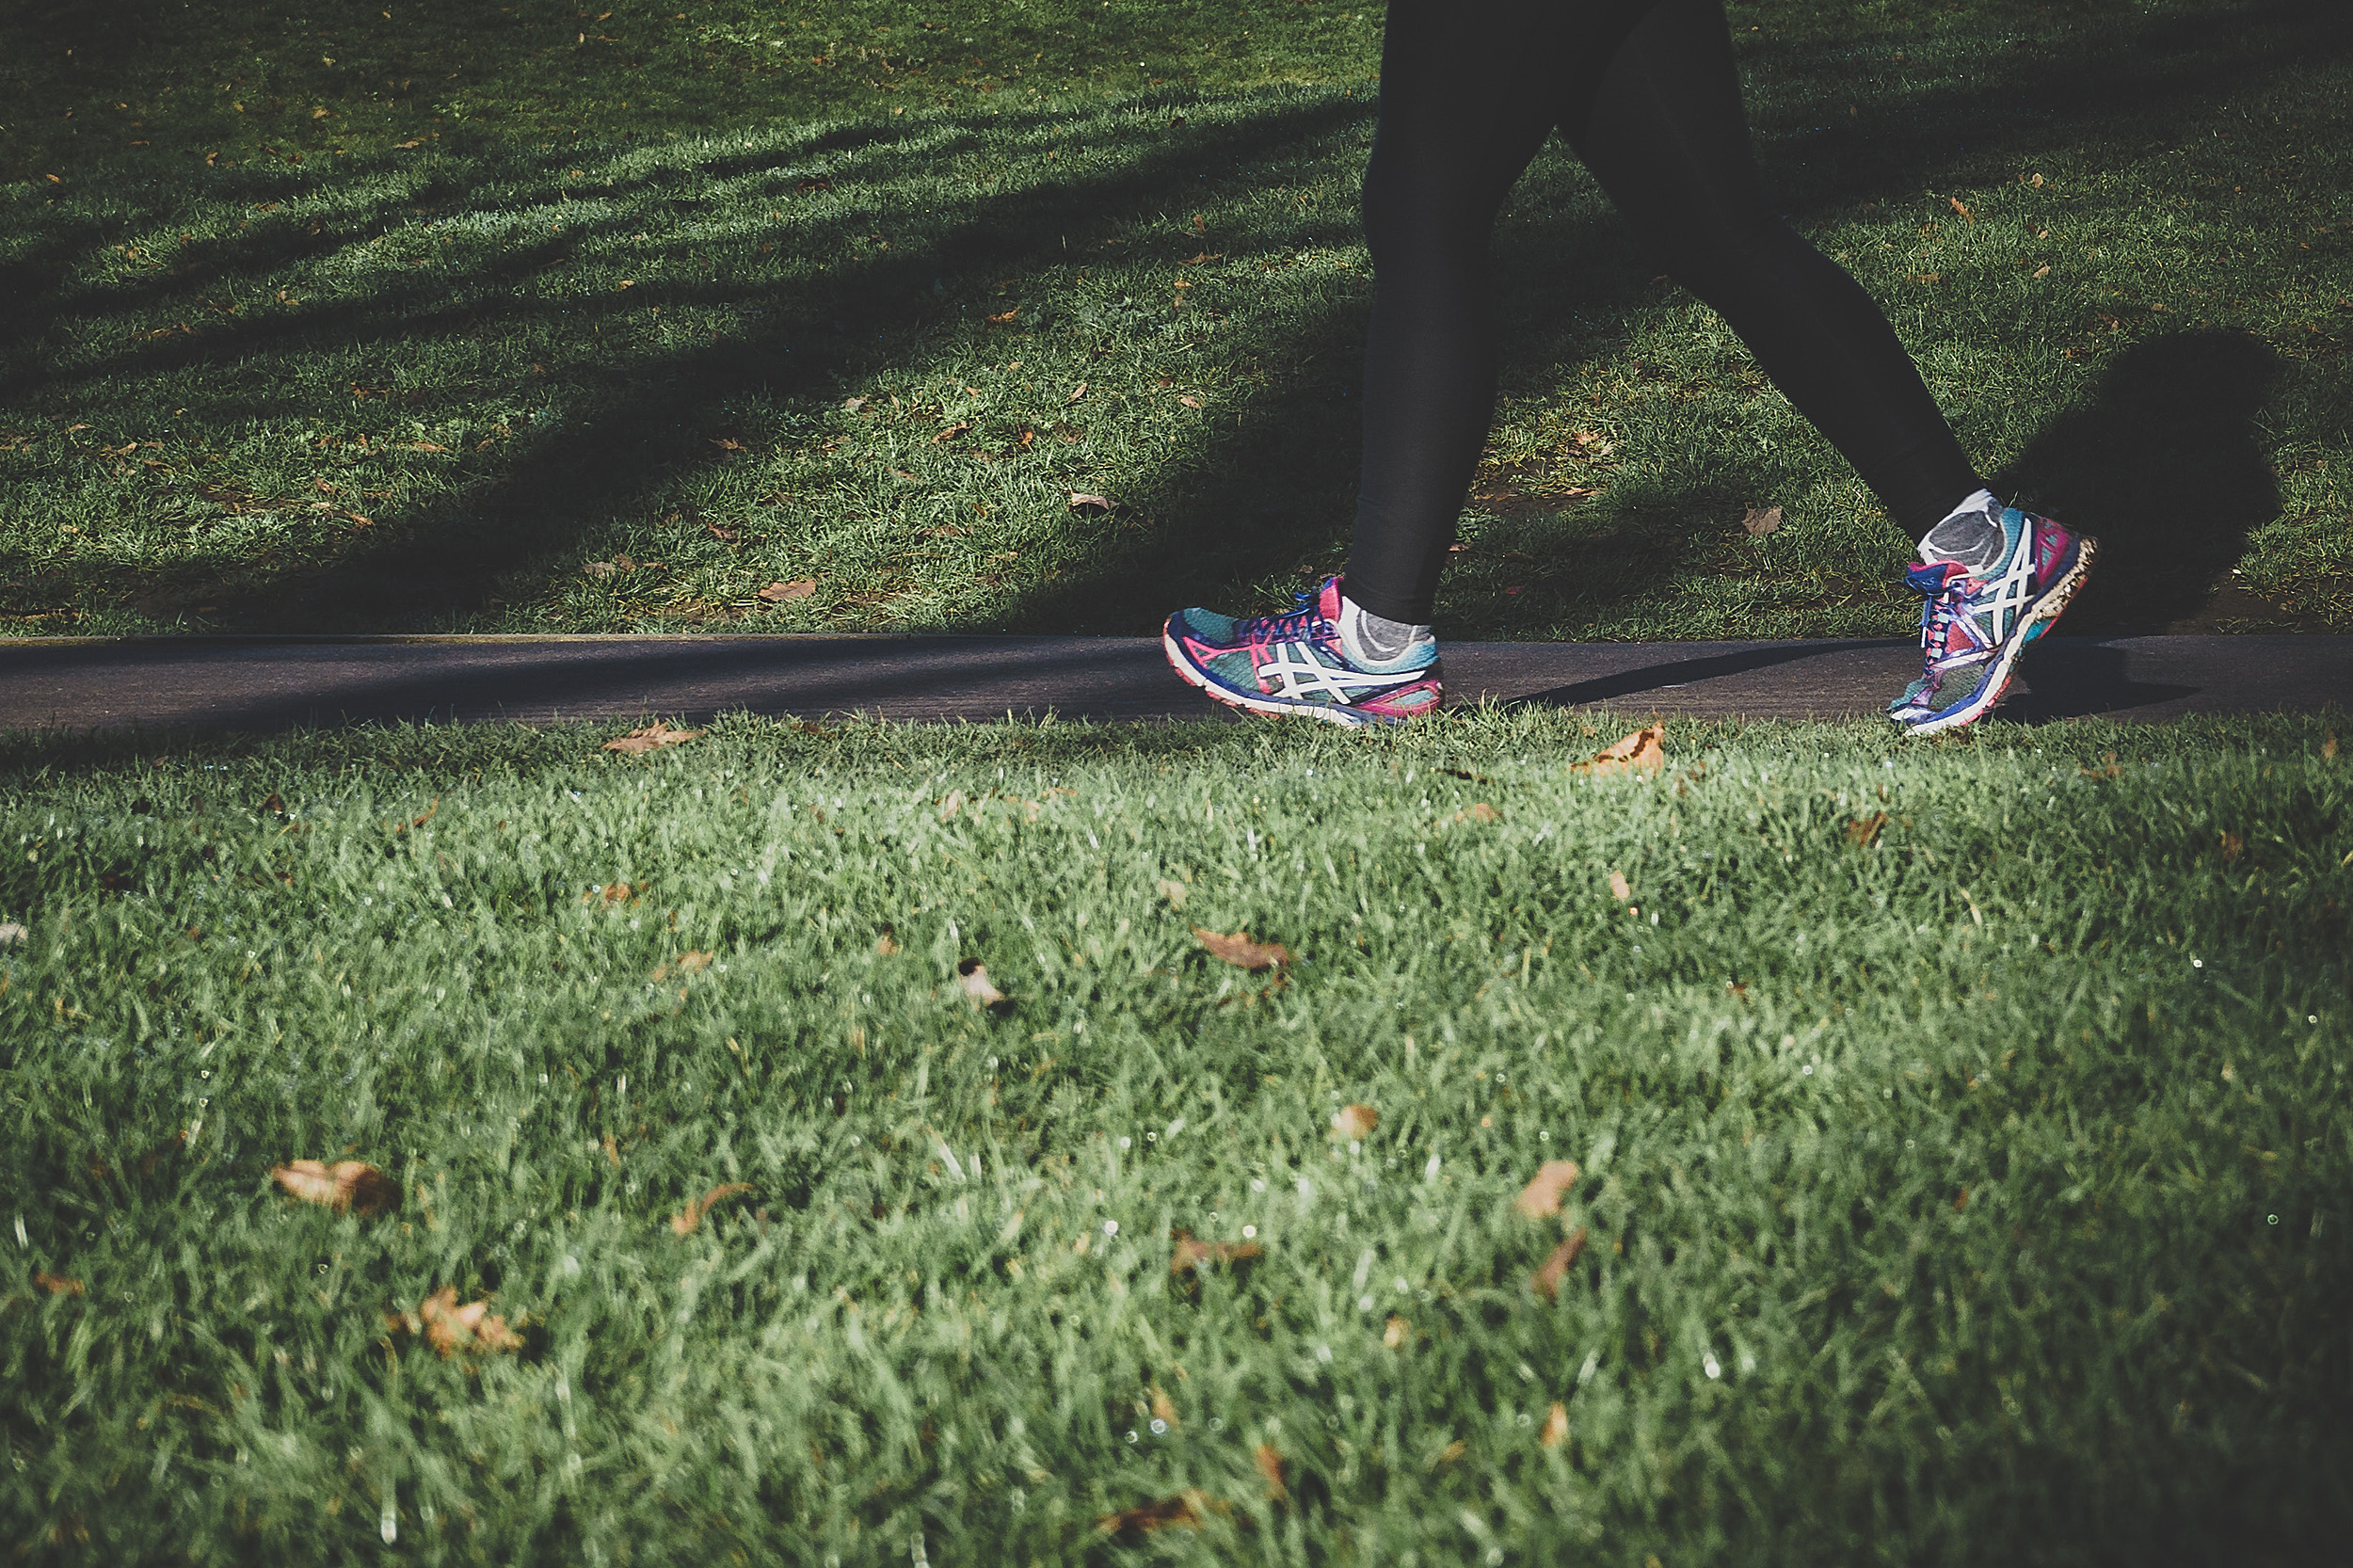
(1645, 93)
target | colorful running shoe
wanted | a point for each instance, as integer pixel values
(1294, 664)
(1972, 628)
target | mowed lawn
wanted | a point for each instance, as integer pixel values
(1962, 1132)
(551, 318)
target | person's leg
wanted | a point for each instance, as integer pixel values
(1469, 89)
(1668, 140)
(1666, 137)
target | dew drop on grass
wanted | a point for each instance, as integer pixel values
(1111, 1227)
(1159, 1427)
(1249, 1233)
(1257, 1186)
(1710, 1366)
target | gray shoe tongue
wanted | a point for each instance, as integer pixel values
(1975, 540)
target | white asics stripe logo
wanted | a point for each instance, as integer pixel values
(1301, 674)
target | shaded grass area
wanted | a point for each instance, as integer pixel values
(612, 335)
(1964, 1130)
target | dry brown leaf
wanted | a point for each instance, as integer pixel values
(953, 804)
(952, 431)
(1163, 1408)
(1863, 829)
(1961, 210)
(685, 1220)
(1271, 1468)
(1192, 1254)
(1173, 891)
(974, 976)
(1556, 1425)
(2232, 847)
(1761, 520)
(653, 738)
(885, 944)
(1079, 501)
(1354, 1122)
(1184, 1509)
(451, 1328)
(599, 570)
(780, 592)
(56, 1285)
(1076, 392)
(1240, 951)
(1541, 1198)
(1644, 751)
(1004, 319)
(1545, 1281)
(2328, 746)
(1190, 402)
(1397, 1333)
(1449, 1454)
(1619, 889)
(1478, 811)
(349, 1184)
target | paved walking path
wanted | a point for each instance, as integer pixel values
(271, 683)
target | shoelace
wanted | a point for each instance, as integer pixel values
(1291, 626)
(1937, 617)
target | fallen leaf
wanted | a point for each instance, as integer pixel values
(1761, 522)
(1354, 1122)
(777, 593)
(1546, 1281)
(1176, 892)
(1478, 811)
(885, 945)
(1006, 319)
(1556, 1425)
(1240, 951)
(1190, 402)
(2037, 182)
(953, 804)
(1542, 1196)
(2233, 845)
(685, 1220)
(2042, 271)
(599, 570)
(612, 893)
(729, 444)
(1183, 1508)
(653, 738)
(1163, 1408)
(1271, 1468)
(693, 963)
(1449, 1454)
(1397, 1333)
(974, 976)
(349, 1184)
(952, 431)
(404, 146)
(451, 1328)
(1079, 501)
(2328, 746)
(12, 933)
(1076, 392)
(1961, 210)
(1192, 1254)
(1644, 751)
(853, 404)
(56, 1285)
(1619, 889)
(1863, 829)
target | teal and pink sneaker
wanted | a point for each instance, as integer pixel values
(1973, 628)
(1295, 664)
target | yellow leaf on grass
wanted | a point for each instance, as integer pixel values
(56, 1285)
(653, 738)
(778, 593)
(451, 1328)
(1619, 889)
(1269, 1465)
(974, 976)
(1397, 1333)
(1240, 951)
(1863, 829)
(685, 1220)
(1545, 1281)
(349, 1184)
(1542, 1196)
(1556, 1425)
(1194, 1255)
(1354, 1122)
(1644, 751)
(1184, 1509)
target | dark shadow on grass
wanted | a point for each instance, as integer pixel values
(2166, 469)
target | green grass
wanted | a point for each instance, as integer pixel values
(1975, 1194)
(543, 289)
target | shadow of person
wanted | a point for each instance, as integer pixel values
(2165, 470)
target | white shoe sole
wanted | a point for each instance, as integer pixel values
(1996, 683)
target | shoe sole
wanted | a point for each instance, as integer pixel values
(1997, 684)
(1272, 706)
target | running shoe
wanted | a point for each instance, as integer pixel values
(1973, 628)
(1294, 664)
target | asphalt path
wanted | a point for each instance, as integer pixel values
(263, 684)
